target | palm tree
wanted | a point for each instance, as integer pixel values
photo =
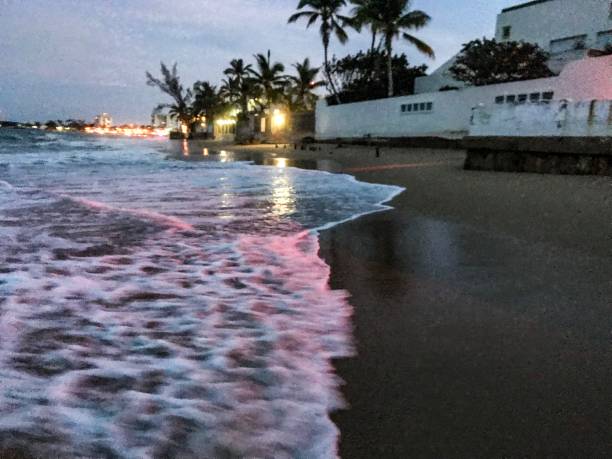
(332, 23)
(364, 14)
(269, 78)
(170, 84)
(392, 18)
(229, 90)
(303, 84)
(239, 88)
(237, 69)
(207, 100)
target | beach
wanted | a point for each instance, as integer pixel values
(481, 308)
(169, 299)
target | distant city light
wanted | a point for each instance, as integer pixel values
(128, 131)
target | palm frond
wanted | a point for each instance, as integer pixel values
(414, 20)
(419, 44)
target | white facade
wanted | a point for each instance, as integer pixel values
(557, 119)
(558, 25)
(564, 28)
(448, 113)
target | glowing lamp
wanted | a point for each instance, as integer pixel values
(278, 119)
(225, 122)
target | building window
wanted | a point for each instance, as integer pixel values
(534, 97)
(417, 107)
(506, 32)
(568, 44)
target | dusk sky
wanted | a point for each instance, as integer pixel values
(75, 58)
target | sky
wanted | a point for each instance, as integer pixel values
(76, 58)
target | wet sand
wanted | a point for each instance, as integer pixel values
(482, 310)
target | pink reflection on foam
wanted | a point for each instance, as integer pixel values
(167, 220)
(238, 331)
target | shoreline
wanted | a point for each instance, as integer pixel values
(481, 308)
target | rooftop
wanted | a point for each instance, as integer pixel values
(524, 5)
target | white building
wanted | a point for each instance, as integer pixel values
(566, 29)
(449, 113)
(103, 120)
(558, 25)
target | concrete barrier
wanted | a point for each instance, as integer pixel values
(544, 155)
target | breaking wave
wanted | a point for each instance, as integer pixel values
(154, 308)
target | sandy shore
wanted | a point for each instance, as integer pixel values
(482, 309)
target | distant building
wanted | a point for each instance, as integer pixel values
(164, 121)
(566, 29)
(103, 121)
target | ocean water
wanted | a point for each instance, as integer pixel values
(153, 307)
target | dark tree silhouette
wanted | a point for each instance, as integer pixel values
(394, 19)
(239, 88)
(170, 84)
(269, 78)
(361, 77)
(483, 62)
(300, 93)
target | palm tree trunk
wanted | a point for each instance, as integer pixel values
(328, 73)
(373, 41)
(390, 68)
(245, 107)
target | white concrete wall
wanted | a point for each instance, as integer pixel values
(560, 118)
(583, 80)
(450, 116)
(544, 21)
